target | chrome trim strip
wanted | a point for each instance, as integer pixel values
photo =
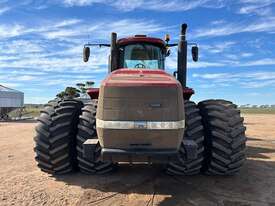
(150, 125)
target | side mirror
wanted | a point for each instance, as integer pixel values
(86, 54)
(195, 53)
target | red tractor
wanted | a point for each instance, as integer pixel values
(141, 114)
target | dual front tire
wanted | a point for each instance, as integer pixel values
(55, 132)
(225, 137)
(64, 125)
(215, 126)
(218, 129)
(87, 130)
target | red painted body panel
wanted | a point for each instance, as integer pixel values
(93, 93)
(132, 40)
(187, 93)
(140, 77)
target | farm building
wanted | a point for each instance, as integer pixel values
(10, 99)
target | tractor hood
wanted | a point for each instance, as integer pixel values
(140, 77)
(140, 109)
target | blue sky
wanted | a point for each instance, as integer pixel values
(41, 43)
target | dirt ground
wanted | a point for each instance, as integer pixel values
(22, 183)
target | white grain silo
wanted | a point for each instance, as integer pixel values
(10, 99)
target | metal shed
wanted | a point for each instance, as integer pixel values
(10, 99)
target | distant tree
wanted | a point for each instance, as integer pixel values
(264, 106)
(61, 94)
(80, 85)
(83, 87)
(71, 92)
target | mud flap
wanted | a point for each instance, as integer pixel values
(190, 147)
(89, 148)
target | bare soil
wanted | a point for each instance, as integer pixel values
(22, 183)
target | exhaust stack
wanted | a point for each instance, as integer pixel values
(113, 55)
(182, 56)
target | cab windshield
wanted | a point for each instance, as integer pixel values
(142, 56)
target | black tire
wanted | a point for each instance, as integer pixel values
(224, 137)
(193, 131)
(55, 136)
(87, 130)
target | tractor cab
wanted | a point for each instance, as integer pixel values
(141, 52)
(148, 53)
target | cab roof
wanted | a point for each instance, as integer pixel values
(141, 39)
